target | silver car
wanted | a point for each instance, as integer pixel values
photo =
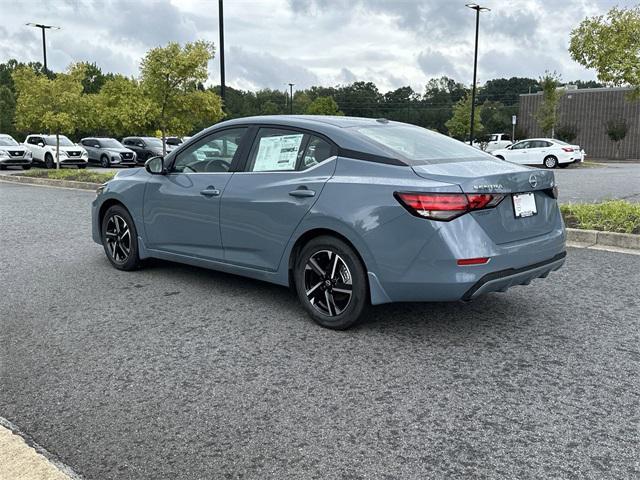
(13, 154)
(108, 152)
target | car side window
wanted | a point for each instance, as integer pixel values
(317, 151)
(276, 150)
(215, 153)
(545, 144)
(520, 145)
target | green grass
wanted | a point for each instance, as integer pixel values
(613, 216)
(71, 174)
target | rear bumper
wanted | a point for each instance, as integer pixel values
(504, 279)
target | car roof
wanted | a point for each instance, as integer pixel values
(339, 129)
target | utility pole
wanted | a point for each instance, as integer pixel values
(223, 88)
(44, 39)
(478, 9)
(291, 98)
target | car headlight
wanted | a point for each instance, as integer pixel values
(62, 153)
(85, 155)
(3, 154)
(28, 154)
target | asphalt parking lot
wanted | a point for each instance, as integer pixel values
(183, 373)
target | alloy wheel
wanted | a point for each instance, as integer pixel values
(118, 237)
(328, 283)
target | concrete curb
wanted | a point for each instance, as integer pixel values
(50, 182)
(609, 239)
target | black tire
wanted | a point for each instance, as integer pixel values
(3, 167)
(120, 247)
(550, 161)
(48, 161)
(81, 167)
(104, 161)
(26, 167)
(325, 298)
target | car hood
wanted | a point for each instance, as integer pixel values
(117, 150)
(485, 176)
(13, 148)
(69, 148)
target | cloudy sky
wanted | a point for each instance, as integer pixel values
(310, 42)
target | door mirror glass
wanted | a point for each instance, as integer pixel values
(140, 144)
(155, 166)
(40, 144)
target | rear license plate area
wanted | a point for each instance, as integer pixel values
(524, 205)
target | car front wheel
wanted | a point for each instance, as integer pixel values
(120, 238)
(331, 282)
(550, 162)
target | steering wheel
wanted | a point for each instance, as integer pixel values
(220, 164)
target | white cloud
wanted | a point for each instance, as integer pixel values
(272, 42)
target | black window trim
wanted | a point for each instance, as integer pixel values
(173, 156)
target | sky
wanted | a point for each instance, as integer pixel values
(269, 43)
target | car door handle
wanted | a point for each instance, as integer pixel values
(210, 192)
(302, 192)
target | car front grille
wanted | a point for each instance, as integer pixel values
(74, 154)
(15, 153)
(126, 155)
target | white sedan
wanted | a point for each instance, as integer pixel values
(541, 151)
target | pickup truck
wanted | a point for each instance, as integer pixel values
(492, 142)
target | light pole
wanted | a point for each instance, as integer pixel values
(44, 42)
(478, 9)
(291, 98)
(221, 26)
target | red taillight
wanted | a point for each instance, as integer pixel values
(567, 149)
(464, 262)
(446, 206)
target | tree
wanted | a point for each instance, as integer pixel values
(323, 106)
(611, 45)
(567, 132)
(93, 79)
(50, 104)
(547, 114)
(616, 131)
(7, 110)
(170, 77)
(121, 108)
(459, 125)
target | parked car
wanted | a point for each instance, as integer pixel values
(13, 154)
(495, 141)
(174, 141)
(579, 151)
(43, 150)
(108, 152)
(348, 211)
(541, 151)
(145, 147)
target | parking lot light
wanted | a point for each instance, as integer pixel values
(478, 9)
(44, 42)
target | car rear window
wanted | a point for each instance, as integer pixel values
(419, 146)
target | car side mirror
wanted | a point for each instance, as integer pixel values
(40, 144)
(155, 166)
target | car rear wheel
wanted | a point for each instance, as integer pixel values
(120, 238)
(48, 161)
(331, 282)
(104, 161)
(550, 162)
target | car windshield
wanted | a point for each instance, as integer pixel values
(419, 146)
(153, 142)
(64, 141)
(7, 142)
(110, 143)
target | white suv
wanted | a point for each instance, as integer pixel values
(43, 149)
(13, 154)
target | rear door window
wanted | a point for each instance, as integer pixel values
(276, 150)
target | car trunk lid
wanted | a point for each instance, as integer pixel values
(500, 177)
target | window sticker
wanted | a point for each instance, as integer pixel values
(278, 153)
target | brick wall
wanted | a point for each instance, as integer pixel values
(589, 110)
